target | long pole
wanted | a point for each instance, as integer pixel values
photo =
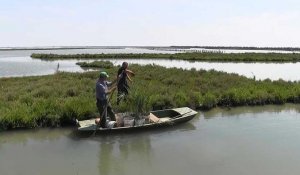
(104, 112)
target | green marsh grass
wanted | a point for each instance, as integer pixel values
(55, 100)
(192, 56)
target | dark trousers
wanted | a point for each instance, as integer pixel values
(105, 109)
(122, 93)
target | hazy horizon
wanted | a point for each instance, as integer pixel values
(53, 23)
(156, 46)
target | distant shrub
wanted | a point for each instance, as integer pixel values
(97, 64)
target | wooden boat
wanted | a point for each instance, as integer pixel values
(168, 117)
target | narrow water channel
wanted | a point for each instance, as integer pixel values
(19, 63)
(246, 140)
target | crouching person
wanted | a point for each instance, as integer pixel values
(103, 105)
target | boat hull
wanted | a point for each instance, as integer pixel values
(176, 116)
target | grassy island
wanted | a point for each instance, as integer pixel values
(195, 56)
(55, 100)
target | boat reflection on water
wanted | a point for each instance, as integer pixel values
(125, 154)
(130, 152)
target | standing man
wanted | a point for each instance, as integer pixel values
(103, 105)
(123, 87)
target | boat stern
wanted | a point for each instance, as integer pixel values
(186, 111)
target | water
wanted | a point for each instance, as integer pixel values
(246, 140)
(19, 63)
(20, 53)
(26, 66)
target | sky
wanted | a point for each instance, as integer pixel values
(261, 23)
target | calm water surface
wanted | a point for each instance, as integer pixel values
(247, 140)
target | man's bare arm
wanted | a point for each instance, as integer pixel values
(130, 72)
(129, 78)
(110, 90)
